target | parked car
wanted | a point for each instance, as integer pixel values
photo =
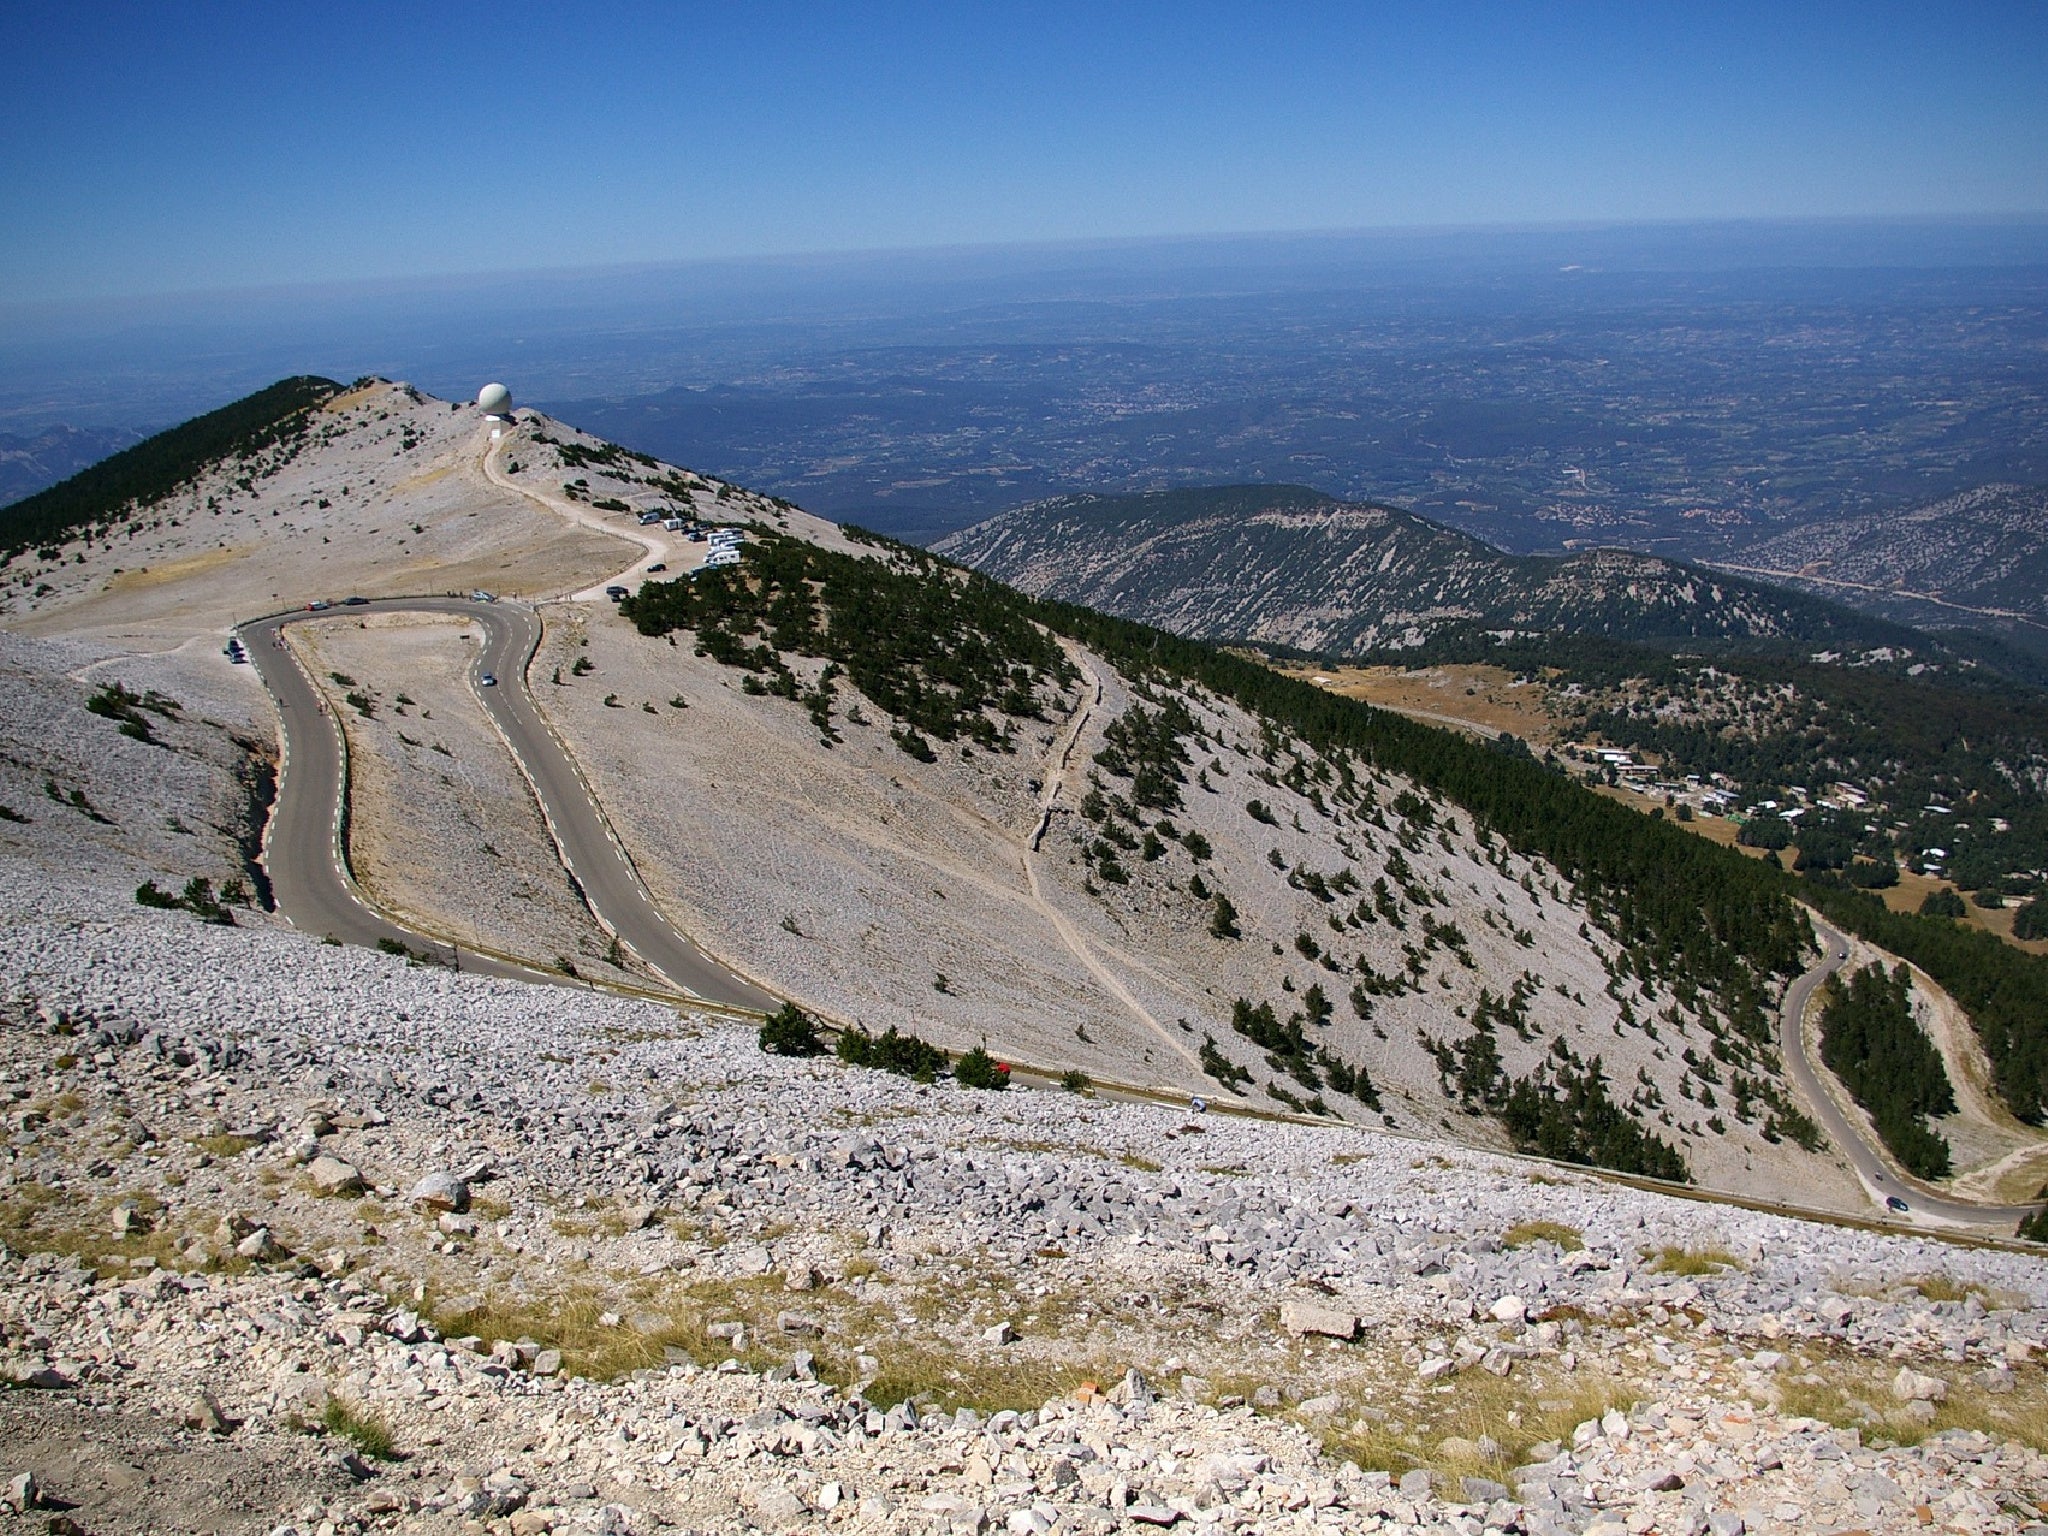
(659, 565)
(318, 605)
(481, 596)
(1894, 1203)
(616, 594)
(353, 602)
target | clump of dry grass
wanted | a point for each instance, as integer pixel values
(367, 1431)
(1672, 1260)
(1854, 1392)
(1939, 1287)
(1523, 1234)
(1452, 1433)
(946, 1379)
(224, 1146)
(659, 1317)
(37, 1219)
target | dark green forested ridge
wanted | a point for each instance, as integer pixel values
(157, 466)
(936, 647)
(1869, 1039)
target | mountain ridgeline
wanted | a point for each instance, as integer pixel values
(1288, 566)
(1976, 560)
(107, 492)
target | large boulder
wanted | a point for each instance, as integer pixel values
(1301, 1318)
(331, 1176)
(441, 1192)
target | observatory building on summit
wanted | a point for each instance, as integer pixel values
(495, 401)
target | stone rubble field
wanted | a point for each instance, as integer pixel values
(306, 1238)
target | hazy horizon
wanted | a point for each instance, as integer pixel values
(162, 149)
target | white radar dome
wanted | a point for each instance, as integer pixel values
(495, 399)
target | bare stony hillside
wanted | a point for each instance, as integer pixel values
(108, 779)
(384, 493)
(884, 891)
(1294, 927)
(1290, 566)
(1957, 561)
(301, 1238)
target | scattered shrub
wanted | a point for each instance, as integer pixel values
(1223, 919)
(978, 1069)
(789, 1031)
(905, 1055)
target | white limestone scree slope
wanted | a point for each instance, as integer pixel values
(600, 1264)
(868, 886)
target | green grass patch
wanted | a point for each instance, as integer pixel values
(368, 1431)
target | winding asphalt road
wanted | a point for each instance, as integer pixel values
(304, 850)
(1879, 1177)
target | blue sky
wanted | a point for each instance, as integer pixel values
(169, 147)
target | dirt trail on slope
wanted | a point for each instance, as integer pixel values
(1059, 764)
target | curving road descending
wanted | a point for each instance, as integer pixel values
(1872, 1166)
(303, 847)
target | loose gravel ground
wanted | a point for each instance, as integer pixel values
(664, 1279)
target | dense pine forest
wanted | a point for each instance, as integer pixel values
(2004, 991)
(1869, 1039)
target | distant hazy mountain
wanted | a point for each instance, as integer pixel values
(27, 464)
(1965, 560)
(1288, 565)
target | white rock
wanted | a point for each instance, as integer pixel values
(331, 1176)
(1909, 1386)
(1301, 1318)
(441, 1192)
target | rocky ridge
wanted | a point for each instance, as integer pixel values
(1290, 566)
(1957, 561)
